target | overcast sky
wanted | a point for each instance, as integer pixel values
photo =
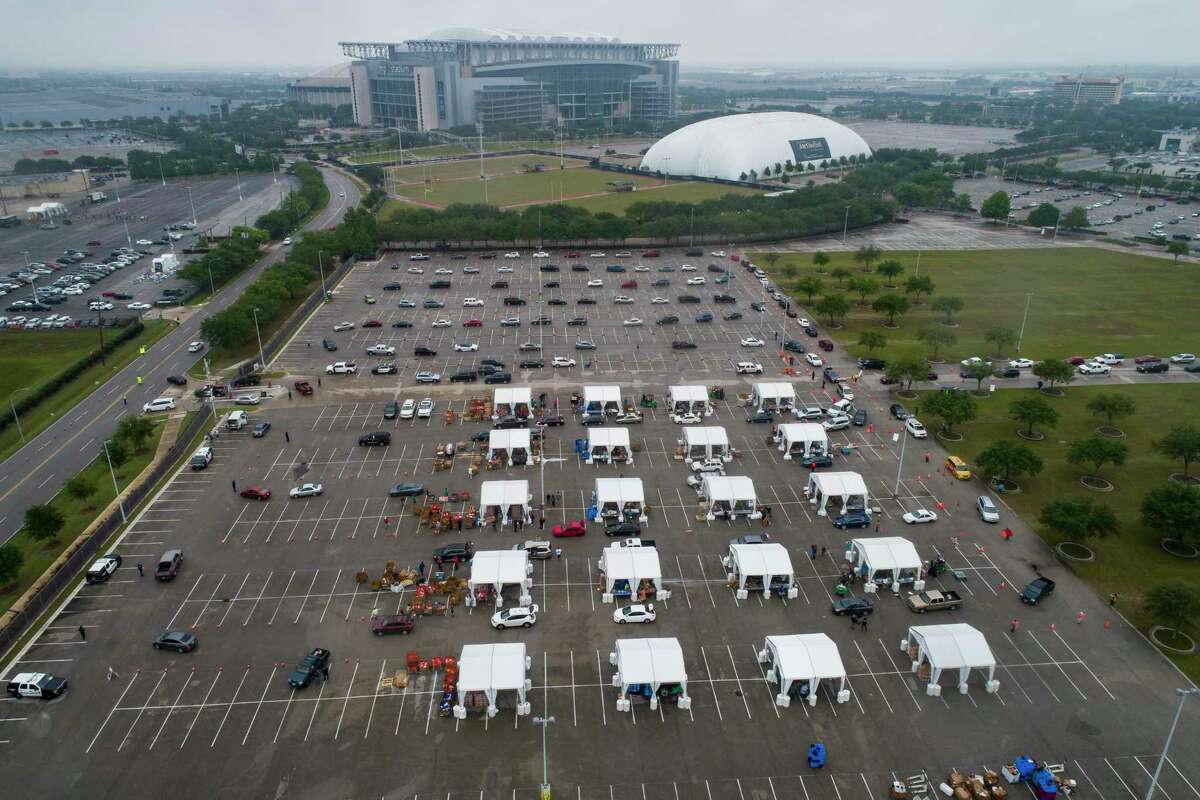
(806, 33)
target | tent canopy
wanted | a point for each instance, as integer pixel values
(602, 396)
(769, 558)
(513, 396)
(619, 491)
(778, 392)
(688, 394)
(805, 434)
(608, 437)
(887, 553)
(499, 567)
(504, 493)
(489, 667)
(633, 564)
(707, 437)
(839, 484)
(653, 661)
(806, 657)
(728, 488)
(953, 646)
(508, 439)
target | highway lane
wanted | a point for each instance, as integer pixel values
(37, 471)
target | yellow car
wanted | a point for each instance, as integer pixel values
(957, 468)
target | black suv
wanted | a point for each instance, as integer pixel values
(312, 665)
(688, 298)
(511, 422)
(532, 364)
(443, 284)
(623, 529)
(168, 565)
(683, 345)
(514, 301)
(390, 409)
(670, 319)
(871, 363)
(375, 439)
(454, 553)
(576, 321)
(330, 345)
(242, 381)
(464, 376)
(424, 351)
(499, 284)
(499, 377)
(401, 323)
(793, 346)
(724, 298)
(1161, 366)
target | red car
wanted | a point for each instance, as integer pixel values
(372, 323)
(576, 528)
(107, 294)
(1075, 361)
(651, 254)
(825, 345)
(1147, 360)
(255, 493)
(573, 254)
(473, 323)
(735, 257)
(629, 285)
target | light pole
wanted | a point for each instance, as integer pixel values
(900, 464)
(1025, 316)
(14, 411)
(262, 359)
(1183, 696)
(161, 174)
(845, 224)
(116, 488)
(238, 177)
(321, 267)
(125, 222)
(193, 205)
(544, 723)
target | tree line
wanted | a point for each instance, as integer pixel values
(312, 194)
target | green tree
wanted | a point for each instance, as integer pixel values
(1075, 219)
(832, 307)
(743, 177)
(11, 561)
(809, 286)
(892, 306)
(862, 287)
(1078, 520)
(936, 338)
(1173, 510)
(867, 255)
(996, 207)
(1031, 411)
(1176, 603)
(43, 522)
(1097, 452)
(1044, 216)
(952, 408)
(80, 488)
(1054, 370)
(1007, 460)
(118, 452)
(1178, 249)
(890, 269)
(135, 431)
(772, 259)
(1000, 338)
(907, 370)
(840, 274)
(1111, 406)
(978, 371)
(820, 259)
(1182, 443)
(871, 340)
(918, 285)
(948, 305)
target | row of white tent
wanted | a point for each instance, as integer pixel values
(799, 661)
(606, 398)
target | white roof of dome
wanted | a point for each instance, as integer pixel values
(515, 35)
(725, 147)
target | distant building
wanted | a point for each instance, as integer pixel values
(104, 103)
(1179, 141)
(329, 87)
(1079, 89)
(465, 76)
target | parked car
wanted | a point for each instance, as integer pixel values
(179, 641)
(255, 493)
(515, 617)
(316, 663)
(406, 490)
(635, 612)
(843, 606)
(103, 568)
(168, 565)
(987, 509)
(852, 519)
(570, 529)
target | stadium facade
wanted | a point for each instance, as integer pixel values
(464, 76)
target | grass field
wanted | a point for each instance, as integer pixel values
(440, 151)
(1085, 301)
(29, 358)
(502, 166)
(1130, 562)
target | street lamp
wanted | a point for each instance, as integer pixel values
(544, 723)
(262, 359)
(900, 465)
(321, 267)
(113, 475)
(238, 177)
(193, 205)
(14, 411)
(161, 174)
(1183, 696)
(845, 224)
(1025, 316)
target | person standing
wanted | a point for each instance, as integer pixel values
(287, 437)
(234, 484)
(1112, 599)
(1079, 617)
(82, 633)
(1013, 625)
(812, 551)
(141, 572)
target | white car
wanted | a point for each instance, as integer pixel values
(623, 300)
(94, 306)
(562, 361)
(919, 516)
(1093, 368)
(416, 270)
(1183, 358)
(687, 268)
(541, 254)
(511, 322)
(504, 269)
(306, 490)
(632, 322)
(247, 400)
(472, 302)
(845, 393)
(287, 240)
(597, 255)
(408, 409)
(442, 322)
(595, 282)
(425, 408)
(1021, 363)
(972, 361)
(712, 465)
(658, 301)
(443, 271)
(699, 280)
(686, 418)
(138, 306)
(341, 368)
(717, 254)
(466, 347)
(750, 341)
(144, 243)
(915, 428)
(803, 322)
(838, 422)
(512, 254)
(470, 270)
(381, 350)
(418, 257)
(808, 412)
(814, 360)
(425, 376)
(195, 347)
(515, 617)
(159, 404)
(749, 368)
(1111, 359)
(641, 268)
(637, 612)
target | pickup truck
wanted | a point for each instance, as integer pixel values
(634, 542)
(1037, 590)
(933, 600)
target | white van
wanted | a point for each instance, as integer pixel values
(201, 458)
(159, 404)
(236, 420)
(843, 406)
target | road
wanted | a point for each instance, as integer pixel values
(35, 472)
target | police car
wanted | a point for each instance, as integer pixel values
(40, 685)
(103, 568)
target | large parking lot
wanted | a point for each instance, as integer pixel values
(264, 582)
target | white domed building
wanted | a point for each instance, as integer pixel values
(728, 147)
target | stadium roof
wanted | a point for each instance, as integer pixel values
(516, 35)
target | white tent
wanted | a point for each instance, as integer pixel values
(955, 646)
(609, 445)
(493, 668)
(515, 400)
(649, 662)
(617, 497)
(602, 398)
(769, 563)
(506, 498)
(47, 210)
(802, 438)
(689, 398)
(805, 657)
(883, 560)
(848, 488)
(705, 442)
(500, 568)
(730, 496)
(625, 568)
(773, 395)
(510, 441)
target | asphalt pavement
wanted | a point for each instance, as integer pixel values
(37, 471)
